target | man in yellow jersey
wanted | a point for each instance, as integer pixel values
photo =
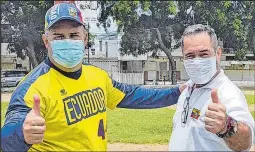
(61, 105)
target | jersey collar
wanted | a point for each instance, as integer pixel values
(73, 75)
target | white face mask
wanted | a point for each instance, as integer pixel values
(200, 70)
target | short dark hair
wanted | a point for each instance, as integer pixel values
(199, 28)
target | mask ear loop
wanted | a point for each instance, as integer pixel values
(216, 51)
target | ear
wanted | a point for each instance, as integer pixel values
(183, 55)
(219, 52)
(218, 55)
(45, 41)
(86, 38)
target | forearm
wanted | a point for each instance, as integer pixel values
(142, 98)
(241, 140)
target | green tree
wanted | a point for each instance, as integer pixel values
(250, 7)
(27, 21)
(233, 22)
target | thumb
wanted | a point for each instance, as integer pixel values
(214, 96)
(36, 107)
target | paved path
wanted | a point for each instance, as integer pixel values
(142, 147)
(136, 147)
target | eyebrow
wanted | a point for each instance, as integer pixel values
(188, 54)
(75, 33)
(58, 34)
(205, 50)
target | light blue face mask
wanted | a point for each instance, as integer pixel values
(68, 53)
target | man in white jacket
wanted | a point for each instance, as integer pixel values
(212, 112)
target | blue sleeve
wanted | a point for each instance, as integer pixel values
(137, 97)
(12, 138)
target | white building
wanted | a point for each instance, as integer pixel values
(107, 43)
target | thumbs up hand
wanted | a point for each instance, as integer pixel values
(215, 116)
(34, 125)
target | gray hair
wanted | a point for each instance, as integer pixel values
(199, 28)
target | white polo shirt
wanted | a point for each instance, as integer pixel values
(193, 136)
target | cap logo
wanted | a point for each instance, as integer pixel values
(53, 13)
(72, 12)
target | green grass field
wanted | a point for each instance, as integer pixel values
(4, 106)
(250, 99)
(253, 114)
(138, 126)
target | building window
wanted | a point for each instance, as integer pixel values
(106, 49)
(250, 58)
(93, 19)
(86, 19)
(230, 58)
(100, 46)
(18, 66)
(124, 65)
(162, 66)
(93, 51)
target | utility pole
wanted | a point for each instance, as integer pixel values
(88, 43)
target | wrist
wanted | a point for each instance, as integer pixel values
(225, 126)
(230, 128)
(224, 130)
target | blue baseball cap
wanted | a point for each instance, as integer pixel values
(62, 11)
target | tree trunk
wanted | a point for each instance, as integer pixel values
(252, 31)
(172, 66)
(253, 43)
(30, 65)
(31, 53)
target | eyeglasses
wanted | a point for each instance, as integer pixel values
(185, 111)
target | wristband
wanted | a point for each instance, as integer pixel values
(231, 128)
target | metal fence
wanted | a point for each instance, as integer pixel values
(234, 75)
(244, 73)
(241, 75)
(181, 75)
(112, 67)
(128, 77)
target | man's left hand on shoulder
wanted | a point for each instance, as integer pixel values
(182, 87)
(215, 120)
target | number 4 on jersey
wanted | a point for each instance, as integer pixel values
(101, 132)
